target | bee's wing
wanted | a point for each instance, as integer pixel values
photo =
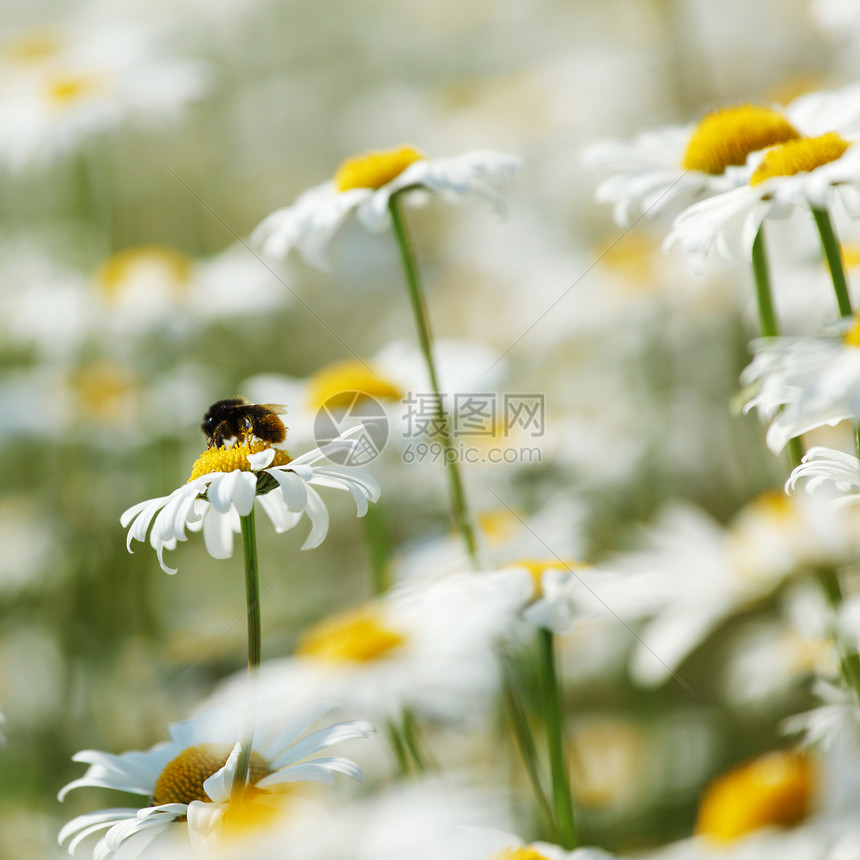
(277, 408)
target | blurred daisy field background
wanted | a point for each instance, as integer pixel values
(429, 429)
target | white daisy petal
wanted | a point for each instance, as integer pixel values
(318, 515)
(218, 531)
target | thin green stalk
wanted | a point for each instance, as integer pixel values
(399, 749)
(255, 640)
(849, 659)
(415, 744)
(562, 796)
(763, 293)
(522, 732)
(378, 548)
(833, 253)
(457, 491)
(767, 318)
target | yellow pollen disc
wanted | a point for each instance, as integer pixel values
(524, 852)
(727, 136)
(800, 156)
(375, 168)
(852, 336)
(217, 459)
(500, 525)
(357, 636)
(773, 790)
(338, 383)
(68, 89)
(182, 779)
(34, 46)
(105, 392)
(771, 504)
(537, 566)
(152, 264)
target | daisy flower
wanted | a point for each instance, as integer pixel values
(772, 539)
(427, 647)
(815, 172)
(668, 169)
(395, 378)
(225, 485)
(189, 778)
(798, 384)
(63, 83)
(365, 183)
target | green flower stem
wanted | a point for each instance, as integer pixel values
(399, 748)
(849, 659)
(767, 318)
(255, 639)
(522, 732)
(415, 744)
(378, 548)
(764, 296)
(562, 796)
(833, 253)
(457, 492)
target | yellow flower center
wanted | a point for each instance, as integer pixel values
(727, 136)
(537, 566)
(338, 384)
(357, 636)
(523, 852)
(145, 264)
(255, 811)
(500, 525)
(63, 91)
(33, 46)
(182, 779)
(773, 790)
(852, 336)
(218, 459)
(375, 168)
(771, 504)
(800, 156)
(105, 392)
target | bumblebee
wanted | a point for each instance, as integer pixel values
(235, 421)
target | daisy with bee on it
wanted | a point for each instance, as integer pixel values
(245, 463)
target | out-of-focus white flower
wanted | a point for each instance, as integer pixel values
(824, 725)
(189, 778)
(798, 384)
(770, 657)
(424, 819)
(816, 172)
(666, 170)
(140, 291)
(365, 183)
(426, 647)
(839, 18)
(64, 83)
(396, 378)
(226, 483)
(695, 573)
(152, 287)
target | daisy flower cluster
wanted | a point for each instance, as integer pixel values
(500, 446)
